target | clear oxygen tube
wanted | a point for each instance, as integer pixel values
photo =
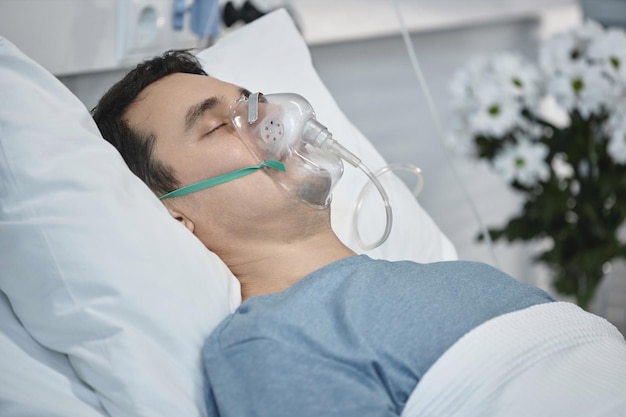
(417, 188)
(318, 135)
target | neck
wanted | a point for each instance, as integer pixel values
(270, 267)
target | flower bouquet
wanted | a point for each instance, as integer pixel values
(570, 170)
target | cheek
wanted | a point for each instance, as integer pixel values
(237, 206)
(210, 158)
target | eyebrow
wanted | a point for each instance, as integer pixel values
(197, 111)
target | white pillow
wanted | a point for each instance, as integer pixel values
(37, 377)
(271, 56)
(92, 263)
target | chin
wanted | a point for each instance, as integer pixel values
(315, 192)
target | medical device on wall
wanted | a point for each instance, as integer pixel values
(206, 16)
(283, 127)
(247, 13)
(204, 21)
(146, 28)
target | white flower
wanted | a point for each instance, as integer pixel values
(484, 105)
(588, 32)
(519, 77)
(610, 51)
(617, 107)
(617, 118)
(565, 49)
(617, 145)
(581, 87)
(557, 53)
(467, 79)
(496, 112)
(490, 92)
(523, 162)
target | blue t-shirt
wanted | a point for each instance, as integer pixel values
(353, 338)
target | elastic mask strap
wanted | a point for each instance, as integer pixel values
(253, 108)
(221, 179)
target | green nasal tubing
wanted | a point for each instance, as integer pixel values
(221, 179)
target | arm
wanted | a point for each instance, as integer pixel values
(267, 378)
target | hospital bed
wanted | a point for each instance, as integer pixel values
(106, 300)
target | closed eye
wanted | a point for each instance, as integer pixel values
(215, 129)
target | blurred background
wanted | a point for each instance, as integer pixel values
(359, 53)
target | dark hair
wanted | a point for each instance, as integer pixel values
(137, 147)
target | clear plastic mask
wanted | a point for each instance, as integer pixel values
(274, 127)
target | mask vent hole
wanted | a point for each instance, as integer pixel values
(273, 131)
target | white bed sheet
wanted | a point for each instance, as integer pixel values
(552, 359)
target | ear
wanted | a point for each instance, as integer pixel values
(182, 218)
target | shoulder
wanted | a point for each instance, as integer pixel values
(461, 271)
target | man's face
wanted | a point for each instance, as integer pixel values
(189, 115)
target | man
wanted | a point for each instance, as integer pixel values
(320, 331)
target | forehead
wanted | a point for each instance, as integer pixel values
(168, 99)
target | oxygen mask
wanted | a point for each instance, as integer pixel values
(283, 127)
